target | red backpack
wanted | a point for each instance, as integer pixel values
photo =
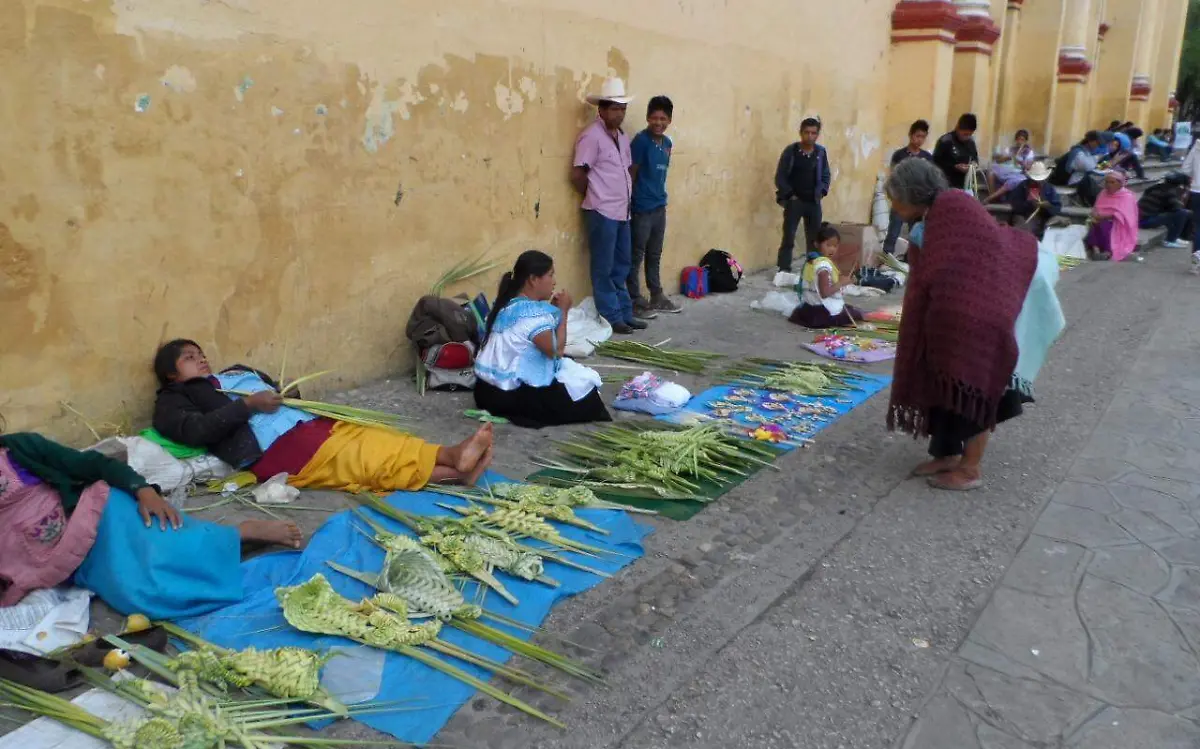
(693, 282)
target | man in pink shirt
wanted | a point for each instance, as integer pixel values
(601, 175)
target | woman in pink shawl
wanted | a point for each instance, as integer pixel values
(1114, 221)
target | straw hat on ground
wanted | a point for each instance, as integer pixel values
(613, 90)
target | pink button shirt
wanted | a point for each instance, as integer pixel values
(609, 182)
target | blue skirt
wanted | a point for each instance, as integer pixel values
(164, 574)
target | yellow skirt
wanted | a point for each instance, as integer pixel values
(360, 458)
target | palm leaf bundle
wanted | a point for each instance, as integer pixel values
(538, 496)
(1066, 263)
(413, 573)
(867, 330)
(667, 460)
(675, 360)
(382, 622)
(461, 272)
(798, 378)
(518, 523)
(341, 412)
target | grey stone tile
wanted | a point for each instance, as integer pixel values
(1143, 526)
(1047, 567)
(1138, 655)
(1181, 551)
(1183, 589)
(1178, 489)
(1084, 527)
(1100, 470)
(1136, 566)
(1088, 496)
(944, 724)
(981, 654)
(1116, 728)
(1164, 507)
(1042, 633)
(990, 738)
(1034, 711)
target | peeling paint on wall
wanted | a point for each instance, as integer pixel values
(461, 104)
(240, 90)
(179, 79)
(142, 103)
(381, 125)
(509, 101)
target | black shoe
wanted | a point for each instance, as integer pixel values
(637, 324)
(622, 329)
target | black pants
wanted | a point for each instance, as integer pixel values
(535, 408)
(794, 211)
(949, 432)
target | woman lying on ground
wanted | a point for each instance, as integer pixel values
(1114, 231)
(521, 372)
(258, 433)
(958, 351)
(821, 304)
(63, 511)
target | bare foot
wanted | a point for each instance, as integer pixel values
(934, 467)
(472, 450)
(271, 532)
(959, 480)
(472, 478)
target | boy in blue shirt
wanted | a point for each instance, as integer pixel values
(651, 151)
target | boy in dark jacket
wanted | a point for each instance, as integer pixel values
(1162, 205)
(802, 180)
(955, 151)
(1034, 201)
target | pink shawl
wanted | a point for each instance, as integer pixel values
(1123, 206)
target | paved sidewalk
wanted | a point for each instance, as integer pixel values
(1091, 638)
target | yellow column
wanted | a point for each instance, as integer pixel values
(1029, 95)
(1071, 94)
(1110, 98)
(1093, 86)
(1007, 95)
(971, 87)
(1170, 49)
(922, 40)
(1142, 84)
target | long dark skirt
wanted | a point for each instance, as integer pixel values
(949, 432)
(535, 408)
(816, 316)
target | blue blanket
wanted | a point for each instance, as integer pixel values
(757, 401)
(339, 540)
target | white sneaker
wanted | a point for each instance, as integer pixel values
(1178, 244)
(1196, 263)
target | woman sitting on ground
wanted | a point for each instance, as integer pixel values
(1113, 235)
(65, 512)
(521, 373)
(821, 304)
(256, 432)
(1009, 164)
(958, 350)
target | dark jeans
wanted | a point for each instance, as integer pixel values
(1035, 226)
(1194, 204)
(895, 225)
(794, 211)
(1163, 152)
(649, 229)
(609, 243)
(1174, 221)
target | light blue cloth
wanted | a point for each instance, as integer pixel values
(916, 235)
(163, 574)
(510, 358)
(1040, 323)
(429, 697)
(266, 427)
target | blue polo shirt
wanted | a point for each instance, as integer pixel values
(652, 160)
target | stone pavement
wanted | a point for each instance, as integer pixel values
(1090, 639)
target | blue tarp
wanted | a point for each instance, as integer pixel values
(869, 385)
(339, 540)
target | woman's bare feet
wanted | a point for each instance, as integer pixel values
(271, 532)
(961, 479)
(472, 478)
(471, 452)
(934, 467)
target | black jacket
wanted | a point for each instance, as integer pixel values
(783, 174)
(1159, 199)
(1024, 207)
(951, 152)
(196, 414)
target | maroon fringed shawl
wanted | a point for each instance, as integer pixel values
(957, 347)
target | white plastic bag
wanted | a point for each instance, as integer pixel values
(1066, 241)
(783, 302)
(158, 466)
(45, 620)
(786, 280)
(585, 328)
(275, 491)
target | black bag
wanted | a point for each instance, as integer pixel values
(1060, 175)
(876, 279)
(724, 273)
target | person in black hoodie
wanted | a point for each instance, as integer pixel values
(955, 151)
(802, 181)
(258, 433)
(1162, 205)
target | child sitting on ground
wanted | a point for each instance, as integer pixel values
(821, 304)
(258, 433)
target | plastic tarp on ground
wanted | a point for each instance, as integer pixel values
(257, 621)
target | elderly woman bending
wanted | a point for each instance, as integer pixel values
(958, 349)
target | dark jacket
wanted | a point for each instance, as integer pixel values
(1159, 199)
(783, 174)
(951, 152)
(196, 414)
(69, 471)
(1022, 205)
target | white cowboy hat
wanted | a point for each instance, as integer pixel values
(613, 90)
(1038, 172)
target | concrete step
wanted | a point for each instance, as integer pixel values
(1079, 215)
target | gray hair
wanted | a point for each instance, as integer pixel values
(916, 182)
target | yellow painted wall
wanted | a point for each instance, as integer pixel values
(1029, 92)
(1111, 95)
(1166, 73)
(254, 200)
